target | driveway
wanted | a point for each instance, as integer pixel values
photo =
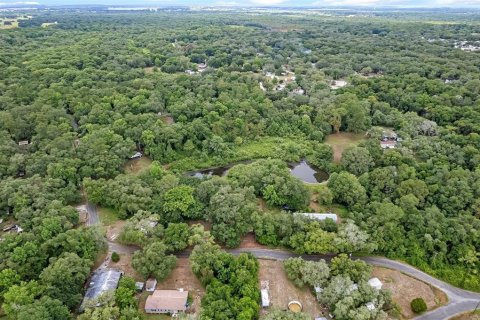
(92, 215)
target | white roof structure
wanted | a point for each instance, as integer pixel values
(137, 155)
(151, 284)
(320, 216)
(265, 298)
(370, 306)
(375, 283)
(318, 289)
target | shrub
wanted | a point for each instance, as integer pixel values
(115, 257)
(418, 305)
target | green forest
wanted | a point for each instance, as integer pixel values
(255, 92)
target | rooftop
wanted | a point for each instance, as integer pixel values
(167, 300)
(320, 216)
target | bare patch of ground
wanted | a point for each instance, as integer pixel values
(249, 242)
(405, 288)
(337, 84)
(113, 230)
(183, 277)
(467, 316)
(125, 265)
(282, 291)
(341, 141)
(167, 119)
(149, 70)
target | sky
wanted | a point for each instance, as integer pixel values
(319, 3)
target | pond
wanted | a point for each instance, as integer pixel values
(301, 170)
(308, 173)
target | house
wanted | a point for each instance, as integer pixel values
(370, 306)
(137, 155)
(167, 301)
(375, 283)
(139, 286)
(190, 72)
(202, 66)
(151, 284)
(265, 298)
(319, 216)
(23, 143)
(388, 144)
(299, 91)
(102, 281)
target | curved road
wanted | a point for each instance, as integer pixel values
(459, 300)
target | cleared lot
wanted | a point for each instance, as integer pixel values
(404, 289)
(282, 290)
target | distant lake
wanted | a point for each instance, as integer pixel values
(308, 173)
(302, 170)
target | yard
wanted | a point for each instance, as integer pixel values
(282, 291)
(343, 140)
(404, 289)
(137, 166)
(183, 277)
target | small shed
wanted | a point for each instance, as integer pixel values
(23, 143)
(137, 155)
(375, 283)
(151, 284)
(139, 286)
(318, 289)
(265, 298)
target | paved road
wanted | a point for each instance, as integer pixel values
(92, 214)
(459, 301)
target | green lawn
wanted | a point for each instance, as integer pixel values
(137, 166)
(288, 149)
(107, 216)
(343, 140)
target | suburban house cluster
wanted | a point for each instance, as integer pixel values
(106, 280)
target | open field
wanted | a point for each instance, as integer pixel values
(405, 288)
(107, 216)
(137, 166)
(11, 23)
(341, 141)
(282, 291)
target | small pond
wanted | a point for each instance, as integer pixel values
(308, 173)
(301, 170)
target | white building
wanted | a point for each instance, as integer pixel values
(319, 216)
(375, 283)
(265, 298)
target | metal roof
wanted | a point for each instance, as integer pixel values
(103, 280)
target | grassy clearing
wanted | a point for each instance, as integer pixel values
(137, 166)
(108, 216)
(343, 140)
(287, 149)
